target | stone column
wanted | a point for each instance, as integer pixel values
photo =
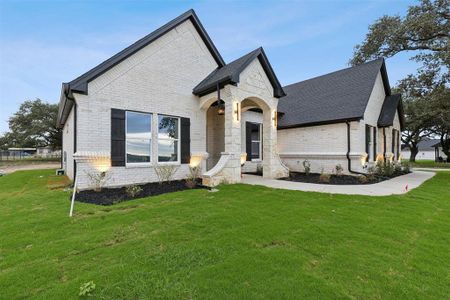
(232, 171)
(272, 165)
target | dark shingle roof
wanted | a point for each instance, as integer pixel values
(331, 98)
(229, 74)
(80, 84)
(391, 104)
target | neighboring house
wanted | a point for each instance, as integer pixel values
(429, 149)
(170, 99)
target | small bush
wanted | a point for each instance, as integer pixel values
(133, 190)
(398, 169)
(86, 289)
(97, 180)
(165, 172)
(194, 174)
(385, 168)
(363, 179)
(259, 169)
(324, 178)
(406, 166)
(307, 166)
(339, 169)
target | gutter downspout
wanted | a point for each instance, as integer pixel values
(349, 162)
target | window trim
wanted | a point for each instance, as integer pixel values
(178, 140)
(138, 164)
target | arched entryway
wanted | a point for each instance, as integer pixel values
(227, 139)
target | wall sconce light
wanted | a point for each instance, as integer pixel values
(237, 111)
(275, 118)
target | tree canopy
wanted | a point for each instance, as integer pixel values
(33, 125)
(424, 31)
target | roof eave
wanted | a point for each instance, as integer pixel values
(317, 123)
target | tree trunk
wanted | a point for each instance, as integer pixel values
(414, 151)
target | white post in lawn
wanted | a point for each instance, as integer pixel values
(73, 196)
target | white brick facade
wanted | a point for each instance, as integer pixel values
(157, 79)
(68, 145)
(325, 146)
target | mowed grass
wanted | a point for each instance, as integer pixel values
(243, 242)
(430, 164)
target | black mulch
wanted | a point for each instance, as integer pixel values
(109, 196)
(334, 179)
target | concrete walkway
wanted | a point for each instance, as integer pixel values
(396, 185)
(431, 169)
(11, 169)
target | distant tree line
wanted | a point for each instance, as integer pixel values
(33, 125)
(425, 31)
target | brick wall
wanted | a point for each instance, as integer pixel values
(158, 79)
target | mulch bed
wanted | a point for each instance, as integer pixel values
(109, 196)
(338, 180)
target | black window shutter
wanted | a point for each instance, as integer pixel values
(117, 137)
(367, 142)
(374, 144)
(185, 140)
(248, 140)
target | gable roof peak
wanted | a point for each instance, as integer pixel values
(80, 84)
(229, 74)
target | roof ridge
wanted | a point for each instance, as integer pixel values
(337, 71)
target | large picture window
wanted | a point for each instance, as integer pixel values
(138, 137)
(168, 139)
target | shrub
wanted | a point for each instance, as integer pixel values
(133, 190)
(398, 169)
(406, 167)
(363, 179)
(194, 174)
(385, 168)
(371, 173)
(259, 169)
(165, 172)
(97, 180)
(307, 166)
(324, 178)
(339, 170)
(86, 289)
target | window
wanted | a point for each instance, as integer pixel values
(369, 142)
(255, 137)
(168, 139)
(138, 137)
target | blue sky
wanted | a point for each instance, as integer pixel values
(44, 43)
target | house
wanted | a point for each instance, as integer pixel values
(170, 100)
(429, 149)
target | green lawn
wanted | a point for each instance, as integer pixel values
(241, 242)
(429, 164)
